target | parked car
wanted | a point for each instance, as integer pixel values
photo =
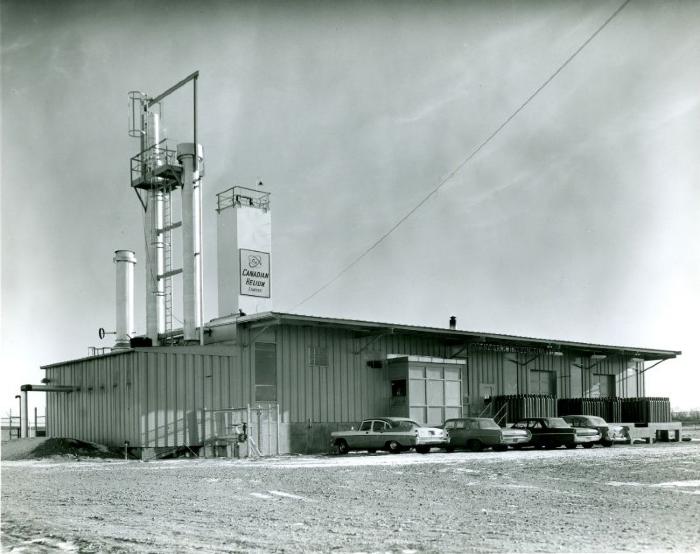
(389, 433)
(608, 434)
(477, 433)
(552, 432)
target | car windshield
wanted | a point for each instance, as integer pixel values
(488, 424)
(404, 425)
(557, 423)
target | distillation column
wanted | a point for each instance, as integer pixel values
(155, 259)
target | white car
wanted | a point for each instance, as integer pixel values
(609, 434)
(389, 433)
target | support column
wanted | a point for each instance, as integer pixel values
(24, 426)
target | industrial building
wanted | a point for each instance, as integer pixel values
(284, 380)
(322, 374)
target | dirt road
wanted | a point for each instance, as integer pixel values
(625, 498)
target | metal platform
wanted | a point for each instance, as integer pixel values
(164, 177)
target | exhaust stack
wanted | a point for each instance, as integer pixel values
(453, 322)
(125, 260)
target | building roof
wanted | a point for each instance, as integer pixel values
(456, 336)
(461, 339)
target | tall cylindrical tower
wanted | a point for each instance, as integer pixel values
(125, 261)
(191, 239)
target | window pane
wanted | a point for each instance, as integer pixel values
(452, 373)
(417, 414)
(416, 391)
(435, 416)
(453, 395)
(265, 371)
(436, 395)
(434, 373)
(416, 372)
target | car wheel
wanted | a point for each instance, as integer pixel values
(588, 445)
(500, 447)
(422, 449)
(371, 450)
(474, 445)
(449, 448)
(343, 447)
(393, 447)
(606, 443)
(571, 445)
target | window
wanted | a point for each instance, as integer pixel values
(318, 356)
(265, 372)
(449, 425)
(366, 426)
(488, 424)
(378, 426)
(398, 387)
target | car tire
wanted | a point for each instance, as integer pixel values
(449, 448)
(371, 450)
(422, 449)
(571, 446)
(474, 445)
(588, 445)
(500, 447)
(343, 447)
(606, 443)
(393, 447)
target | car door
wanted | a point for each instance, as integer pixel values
(378, 435)
(538, 432)
(455, 428)
(360, 438)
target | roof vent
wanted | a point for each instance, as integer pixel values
(453, 322)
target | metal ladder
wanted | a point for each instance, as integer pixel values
(166, 237)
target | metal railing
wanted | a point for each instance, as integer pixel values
(242, 196)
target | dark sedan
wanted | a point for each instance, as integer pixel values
(552, 432)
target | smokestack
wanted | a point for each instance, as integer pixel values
(191, 239)
(453, 322)
(125, 260)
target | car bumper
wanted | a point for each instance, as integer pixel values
(587, 438)
(431, 441)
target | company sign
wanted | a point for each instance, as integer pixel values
(255, 273)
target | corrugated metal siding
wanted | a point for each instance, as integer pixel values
(346, 390)
(154, 397)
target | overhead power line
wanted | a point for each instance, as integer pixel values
(466, 160)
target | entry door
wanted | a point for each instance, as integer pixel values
(542, 382)
(605, 385)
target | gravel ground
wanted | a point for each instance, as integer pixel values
(625, 498)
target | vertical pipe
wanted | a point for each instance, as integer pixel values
(36, 423)
(278, 430)
(125, 261)
(199, 199)
(24, 424)
(191, 240)
(155, 299)
(250, 431)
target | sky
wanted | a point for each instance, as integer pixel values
(578, 221)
